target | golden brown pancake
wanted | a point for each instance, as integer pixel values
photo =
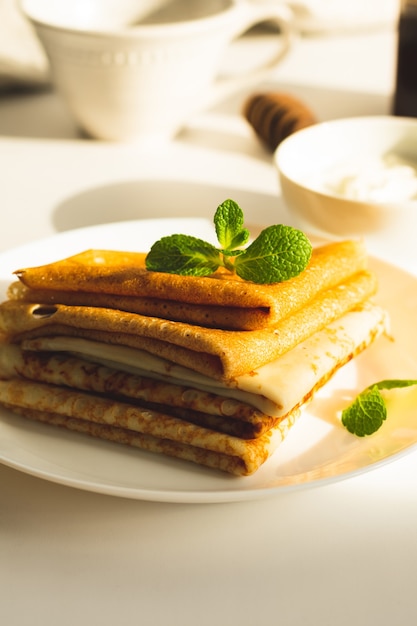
(274, 389)
(56, 388)
(232, 455)
(215, 352)
(151, 430)
(197, 406)
(119, 280)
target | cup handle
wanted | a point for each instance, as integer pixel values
(246, 16)
(249, 15)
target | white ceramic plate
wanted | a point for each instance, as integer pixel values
(317, 450)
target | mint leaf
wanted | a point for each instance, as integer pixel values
(366, 414)
(184, 255)
(368, 411)
(277, 254)
(228, 221)
(395, 383)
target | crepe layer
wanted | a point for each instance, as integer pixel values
(218, 353)
(120, 280)
(180, 420)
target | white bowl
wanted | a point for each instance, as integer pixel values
(354, 176)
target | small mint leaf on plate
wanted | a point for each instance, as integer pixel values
(278, 253)
(184, 255)
(366, 414)
(395, 383)
(368, 411)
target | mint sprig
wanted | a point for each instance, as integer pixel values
(277, 254)
(368, 411)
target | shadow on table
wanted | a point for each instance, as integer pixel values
(149, 199)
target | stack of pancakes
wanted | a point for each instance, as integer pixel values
(212, 370)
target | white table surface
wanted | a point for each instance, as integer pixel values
(339, 554)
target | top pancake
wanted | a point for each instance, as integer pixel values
(119, 280)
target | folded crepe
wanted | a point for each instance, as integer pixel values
(234, 426)
(214, 352)
(79, 351)
(119, 280)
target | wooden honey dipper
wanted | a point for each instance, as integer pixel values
(274, 116)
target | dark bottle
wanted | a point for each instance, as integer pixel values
(405, 98)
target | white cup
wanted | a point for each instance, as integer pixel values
(137, 69)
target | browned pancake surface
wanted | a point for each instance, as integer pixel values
(120, 280)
